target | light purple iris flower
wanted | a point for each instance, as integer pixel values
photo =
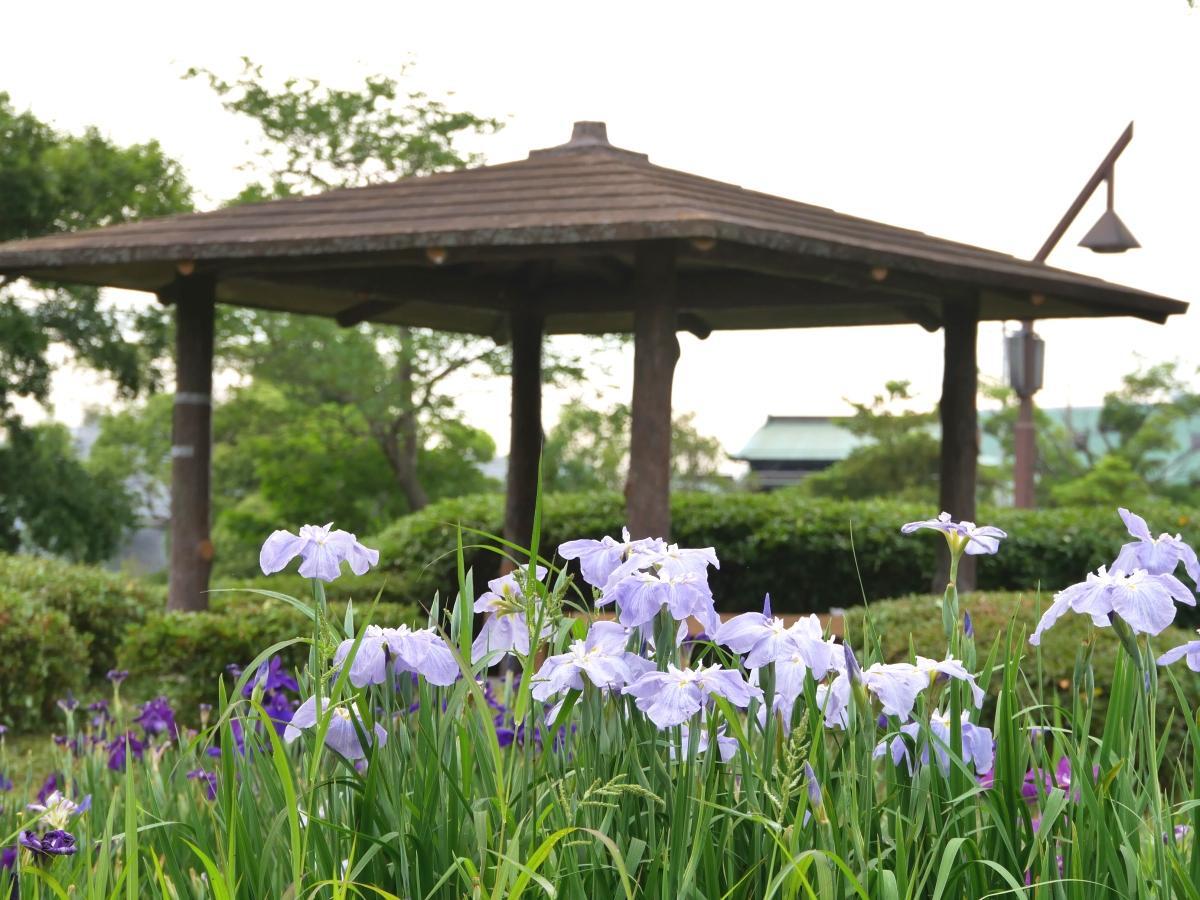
(672, 697)
(401, 650)
(640, 595)
(894, 685)
(506, 629)
(1146, 602)
(654, 554)
(321, 552)
(974, 539)
(599, 559)
(950, 668)
(764, 639)
(726, 746)
(342, 734)
(1158, 556)
(57, 811)
(976, 744)
(1191, 650)
(601, 656)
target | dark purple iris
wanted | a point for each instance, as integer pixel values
(157, 717)
(52, 843)
(209, 779)
(68, 704)
(6, 784)
(233, 670)
(8, 858)
(49, 786)
(279, 706)
(120, 747)
(271, 676)
(239, 739)
(116, 676)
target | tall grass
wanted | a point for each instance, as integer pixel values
(601, 803)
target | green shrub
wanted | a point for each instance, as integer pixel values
(919, 619)
(796, 548)
(182, 655)
(41, 658)
(96, 603)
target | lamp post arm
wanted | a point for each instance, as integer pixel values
(1104, 172)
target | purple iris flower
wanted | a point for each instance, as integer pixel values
(506, 629)
(941, 670)
(977, 744)
(239, 737)
(599, 559)
(1146, 602)
(279, 708)
(56, 811)
(894, 685)
(321, 552)
(271, 676)
(49, 786)
(654, 554)
(765, 639)
(974, 539)
(8, 860)
(672, 697)
(68, 704)
(600, 656)
(640, 595)
(120, 747)
(157, 717)
(209, 779)
(53, 843)
(1191, 650)
(726, 746)
(401, 649)
(6, 784)
(1158, 556)
(116, 676)
(342, 734)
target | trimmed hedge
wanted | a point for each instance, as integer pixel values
(796, 548)
(98, 604)
(41, 658)
(182, 655)
(919, 619)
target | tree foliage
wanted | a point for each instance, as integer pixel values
(588, 449)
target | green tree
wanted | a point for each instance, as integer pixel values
(588, 449)
(51, 182)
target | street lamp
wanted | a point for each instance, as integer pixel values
(1025, 351)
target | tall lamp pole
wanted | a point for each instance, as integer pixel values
(1026, 349)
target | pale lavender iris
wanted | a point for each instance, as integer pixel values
(601, 656)
(321, 552)
(640, 595)
(974, 539)
(1146, 602)
(726, 746)
(765, 639)
(598, 560)
(57, 811)
(1158, 556)
(1191, 650)
(399, 650)
(506, 629)
(894, 685)
(950, 668)
(653, 554)
(672, 697)
(977, 747)
(342, 734)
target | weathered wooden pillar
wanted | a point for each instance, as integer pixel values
(191, 444)
(655, 352)
(525, 441)
(960, 428)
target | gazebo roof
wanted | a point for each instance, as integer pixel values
(458, 250)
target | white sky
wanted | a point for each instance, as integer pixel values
(971, 121)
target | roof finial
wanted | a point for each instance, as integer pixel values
(589, 134)
(589, 137)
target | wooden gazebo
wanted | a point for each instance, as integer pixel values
(580, 238)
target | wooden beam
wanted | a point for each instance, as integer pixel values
(525, 437)
(960, 428)
(191, 444)
(655, 352)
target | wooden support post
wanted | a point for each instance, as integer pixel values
(191, 444)
(655, 352)
(960, 429)
(525, 441)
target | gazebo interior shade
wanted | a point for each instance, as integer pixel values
(462, 250)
